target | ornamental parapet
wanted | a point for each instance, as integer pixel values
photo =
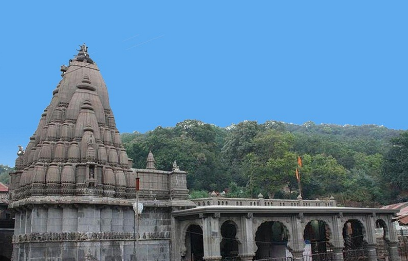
(222, 201)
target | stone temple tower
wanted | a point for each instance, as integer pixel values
(74, 188)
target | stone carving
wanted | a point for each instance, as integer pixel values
(20, 151)
(175, 167)
(86, 236)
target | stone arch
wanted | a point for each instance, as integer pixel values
(382, 228)
(271, 239)
(192, 240)
(382, 237)
(354, 234)
(317, 234)
(229, 239)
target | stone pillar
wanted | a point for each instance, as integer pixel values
(54, 218)
(297, 241)
(212, 237)
(70, 219)
(393, 242)
(371, 252)
(337, 238)
(247, 237)
(371, 239)
(297, 255)
(393, 250)
(39, 223)
(338, 254)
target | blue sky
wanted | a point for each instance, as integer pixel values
(221, 62)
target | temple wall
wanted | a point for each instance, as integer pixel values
(102, 232)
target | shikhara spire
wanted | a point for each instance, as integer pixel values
(76, 148)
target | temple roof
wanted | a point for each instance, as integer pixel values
(76, 144)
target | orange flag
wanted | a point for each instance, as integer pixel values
(299, 161)
(297, 175)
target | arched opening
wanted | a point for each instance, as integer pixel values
(381, 234)
(317, 235)
(271, 239)
(194, 243)
(353, 235)
(229, 243)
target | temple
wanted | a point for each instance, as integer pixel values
(75, 196)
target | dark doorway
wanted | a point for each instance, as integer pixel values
(353, 235)
(229, 243)
(194, 243)
(271, 239)
(317, 234)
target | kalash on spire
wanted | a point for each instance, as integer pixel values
(73, 187)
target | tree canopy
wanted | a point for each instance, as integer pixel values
(350, 163)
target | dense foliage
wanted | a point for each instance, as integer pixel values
(355, 164)
(4, 174)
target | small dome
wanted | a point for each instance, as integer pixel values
(120, 178)
(52, 132)
(45, 154)
(66, 132)
(117, 142)
(73, 152)
(19, 162)
(107, 137)
(123, 158)
(53, 174)
(102, 156)
(108, 177)
(59, 154)
(130, 178)
(68, 174)
(113, 156)
(39, 174)
(25, 178)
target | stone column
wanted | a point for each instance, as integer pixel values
(212, 237)
(247, 237)
(393, 250)
(393, 242)
(337, 238)
(297, 241)
(371, 252)
(371, 239)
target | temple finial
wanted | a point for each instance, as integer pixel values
(150, 161)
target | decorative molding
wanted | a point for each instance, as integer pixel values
(86, 236)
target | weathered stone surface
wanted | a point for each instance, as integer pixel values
(73, 188)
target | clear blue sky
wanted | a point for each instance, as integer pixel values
(221, 62)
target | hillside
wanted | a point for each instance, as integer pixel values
(248, 158)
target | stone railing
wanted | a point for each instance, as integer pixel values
(222, 201)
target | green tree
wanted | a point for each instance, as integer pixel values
(395, 170)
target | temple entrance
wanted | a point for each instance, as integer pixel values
(316, 236)
(229, 243)
(271, 239)
(194, 243)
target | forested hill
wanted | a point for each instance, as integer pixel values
(248, 158)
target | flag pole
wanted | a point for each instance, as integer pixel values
(299, 161)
